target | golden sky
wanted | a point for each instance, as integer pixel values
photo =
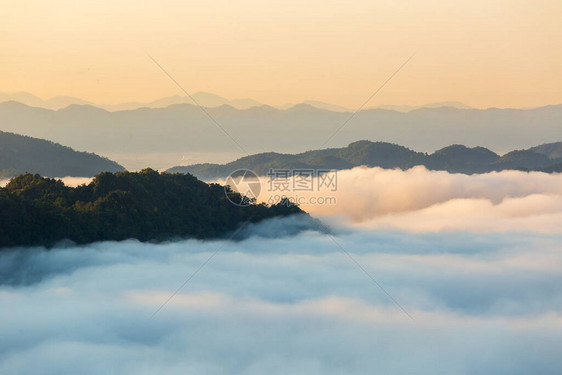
(481, 52)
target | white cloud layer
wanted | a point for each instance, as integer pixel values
(424, 201)
(486, 303)
(475, 260)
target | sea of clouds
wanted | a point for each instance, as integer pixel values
(487, 303)
(461, 276)
(420, 200)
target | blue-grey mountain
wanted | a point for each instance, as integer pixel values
(20, 154)
(186, 128)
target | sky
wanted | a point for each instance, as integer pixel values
(485, 53)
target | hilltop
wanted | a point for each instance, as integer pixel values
(19, 154)
(147, 206)
(454, 159)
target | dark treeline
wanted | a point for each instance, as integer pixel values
(145, 205)
(454, 159)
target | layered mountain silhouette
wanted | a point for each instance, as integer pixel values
(59, 102)
(186, 128)
(455, 159)
(20, 154)
(204, 99)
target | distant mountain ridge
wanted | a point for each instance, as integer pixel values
(61, 102)
(20, 154)
(408, 108)
(204, 99)
(551, 150)
(454, 159)
(184, 128)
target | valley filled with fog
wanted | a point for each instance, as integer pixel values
(420, 272)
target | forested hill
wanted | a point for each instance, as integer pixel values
(454, 158)
(115, 206)
(20, 154)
